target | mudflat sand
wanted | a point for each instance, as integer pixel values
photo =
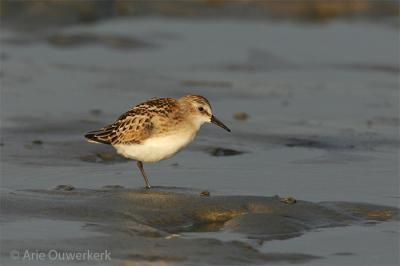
(313, 110)
(147, 225)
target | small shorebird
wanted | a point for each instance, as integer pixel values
(157, 129)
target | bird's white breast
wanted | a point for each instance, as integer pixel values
(156, 148)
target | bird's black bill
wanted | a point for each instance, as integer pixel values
(219, 123)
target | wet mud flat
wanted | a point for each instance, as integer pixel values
(316, 122)
(137, 225)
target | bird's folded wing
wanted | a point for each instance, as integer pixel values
(129, 130)
(134, 129)
(134, 126)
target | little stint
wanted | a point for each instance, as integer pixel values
(156, 129)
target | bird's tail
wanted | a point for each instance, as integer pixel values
(99, 136)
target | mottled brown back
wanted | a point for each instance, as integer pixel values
(135, 125)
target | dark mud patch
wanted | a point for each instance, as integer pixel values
(218, 152)
(64, 187)
(309, 143)
(37, 142)
(96, 112)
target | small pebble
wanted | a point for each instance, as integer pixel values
(379, 214)
(241, 116)
(173, 236)
(288, 200)
(205, 193)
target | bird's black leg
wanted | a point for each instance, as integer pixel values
(146, 181)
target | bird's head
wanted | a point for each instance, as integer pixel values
(201, 111)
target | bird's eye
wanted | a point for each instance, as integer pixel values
(201, 109)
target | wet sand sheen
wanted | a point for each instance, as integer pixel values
(147, 225)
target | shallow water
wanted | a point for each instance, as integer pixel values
(322, 102)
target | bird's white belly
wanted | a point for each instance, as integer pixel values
(156, 148)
